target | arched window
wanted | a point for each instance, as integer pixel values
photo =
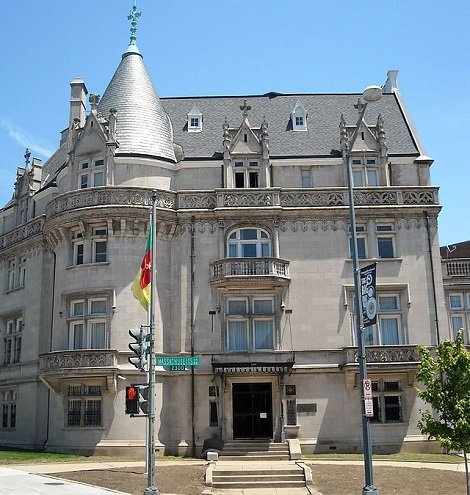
(249, 243)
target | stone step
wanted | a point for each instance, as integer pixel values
(254, 456)
(255, 447)
(258, 484)
(268, 450)
(256, 472)
(259, 477)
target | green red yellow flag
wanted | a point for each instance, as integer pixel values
(141, 286)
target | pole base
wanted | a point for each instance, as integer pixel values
(370, 490)
(151, 491)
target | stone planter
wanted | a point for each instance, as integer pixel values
(291, 431)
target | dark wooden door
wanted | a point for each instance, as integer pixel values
(252, 410)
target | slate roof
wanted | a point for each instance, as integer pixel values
(321, 140)
(142, 124)
(458, 250)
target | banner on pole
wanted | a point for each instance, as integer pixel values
(368, 295)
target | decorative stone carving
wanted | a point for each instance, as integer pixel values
(31, 229)
(314, 225)
(57, 361)
(197, 201)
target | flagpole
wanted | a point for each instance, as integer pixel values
(151, 478)
(147, 374)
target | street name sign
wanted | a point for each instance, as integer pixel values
(178, 363)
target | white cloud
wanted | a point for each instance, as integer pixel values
(24, 138)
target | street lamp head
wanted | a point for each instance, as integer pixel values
(372, 93)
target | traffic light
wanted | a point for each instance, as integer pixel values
(144, 398)
(132, 400)
(138, 347)
(137, 399)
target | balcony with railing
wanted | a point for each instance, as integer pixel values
(400, 359)
(387, 354)
(56, 365)
(230, 271)
(241, 198)
(456, 267)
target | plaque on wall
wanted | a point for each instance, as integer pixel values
(307, 408)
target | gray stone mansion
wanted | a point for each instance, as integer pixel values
(254, 270)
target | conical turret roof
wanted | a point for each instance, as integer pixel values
(143, 127)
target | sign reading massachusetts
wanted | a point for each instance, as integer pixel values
(368, 295)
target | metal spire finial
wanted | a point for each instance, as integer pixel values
(27, 156)
(134, 18)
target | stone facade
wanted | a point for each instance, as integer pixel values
(254, 273)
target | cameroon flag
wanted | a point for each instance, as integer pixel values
(141, 286)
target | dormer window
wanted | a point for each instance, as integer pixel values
(299, 117)
(91, 174)
(246, 173)
(194, 120)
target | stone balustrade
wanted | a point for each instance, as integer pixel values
(77, 359)
(240, 198)
(385, 354)
(249, 267)
(456, 268)
(23, 232)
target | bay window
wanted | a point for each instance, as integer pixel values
(387, 330)
(88, 323)
(250, 323)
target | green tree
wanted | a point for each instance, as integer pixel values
(446, 380)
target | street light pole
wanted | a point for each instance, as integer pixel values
(372, 93)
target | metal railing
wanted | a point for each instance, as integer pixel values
(249, 267)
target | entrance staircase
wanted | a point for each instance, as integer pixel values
(256, 464)
(252, 450)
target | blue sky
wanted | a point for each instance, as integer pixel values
(210, 47)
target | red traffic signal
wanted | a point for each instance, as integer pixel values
(132, 400)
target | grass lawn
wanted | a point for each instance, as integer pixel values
(452, 458)
(16, 456)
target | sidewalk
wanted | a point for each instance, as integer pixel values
(17, 482)
(32, 478)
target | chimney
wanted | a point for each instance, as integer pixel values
(78, 94)
(391, 84)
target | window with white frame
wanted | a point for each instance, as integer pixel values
(11, 274)
(78, 247)
(246, 173)
(84, 405)
(385, 240)
(12, 340)
(250, 323)
(8, 405)
(249, 242)
(92, 248)
(361, 236)
(388, 329)
(306, 177)
(194, 120)
(459, 313)
(16, 275)
(387, 398)
(299, 117)
(88, 323)
(91, 174)
(21, 271)
(365, 171)
(100, 244)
